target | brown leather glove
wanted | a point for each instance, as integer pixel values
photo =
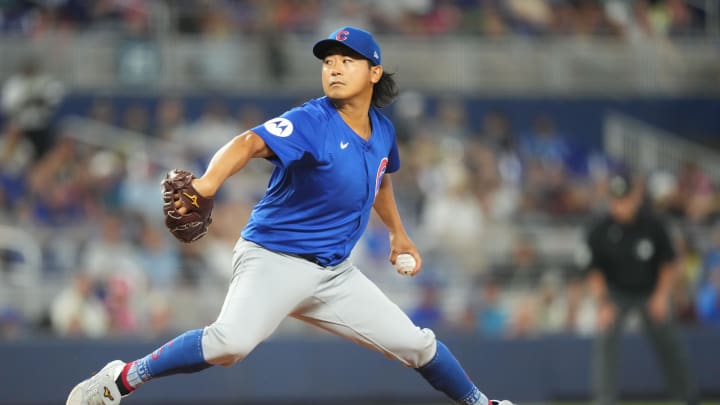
(193, 224)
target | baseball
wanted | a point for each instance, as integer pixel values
(405, 264)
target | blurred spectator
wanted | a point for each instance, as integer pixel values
(410, 118)
(428, 312)
(29, 99)
(105, 171)
(664, 18)
(159, 315)
(77, 311)
(495, 162)
(13, 326)
(450, 121)
(491, 317)
(193, 265)
(545, 153)
(452, 215)
(578, 310)
(140, 182)
(374, 244)
(102, 110)
(708, 299)
(694, 193)
(529, 16)
(339, 13)
(689, 268)
(524, 321)
(55, 185)
(215, 20)
(158, 257)
(110, 253)
(214, 127)
(555, 314)
(121, 305)
(497, 134)
(444, 18)
(524, 269)
(136, 119)
(400, 16)
(170, 119)
(16, 156)
(710, 258)
(521, 274)
(544, 147)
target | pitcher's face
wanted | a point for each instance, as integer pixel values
(347, 76)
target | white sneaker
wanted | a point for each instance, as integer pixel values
(99, 389)
(503, 402)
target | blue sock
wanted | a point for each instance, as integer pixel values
(183, 354)
(446, 375)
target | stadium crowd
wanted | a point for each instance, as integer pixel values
(488, 207)
(497, 210)
(493, 18)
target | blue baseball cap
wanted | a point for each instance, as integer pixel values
(356, 39)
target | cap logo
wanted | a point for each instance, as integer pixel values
(375, 55)
(342, 35)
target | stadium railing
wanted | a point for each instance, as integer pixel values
(469, 64)
(647, 149)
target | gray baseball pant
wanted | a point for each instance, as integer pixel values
(267, 286)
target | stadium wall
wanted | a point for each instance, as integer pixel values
(328, 370)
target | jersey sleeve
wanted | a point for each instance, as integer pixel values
(290, 136)
(394, 154)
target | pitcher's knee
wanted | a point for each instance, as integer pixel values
(417, 349)
(223, 347)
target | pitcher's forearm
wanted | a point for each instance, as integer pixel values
(386, 207)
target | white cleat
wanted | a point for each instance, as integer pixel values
(99, 389)
(503, 402)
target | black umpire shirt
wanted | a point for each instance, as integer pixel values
(630, 255)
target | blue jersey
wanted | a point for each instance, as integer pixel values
(323, 187)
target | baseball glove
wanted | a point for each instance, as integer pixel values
(192, 224)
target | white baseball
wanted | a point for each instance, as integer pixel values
(405, 263)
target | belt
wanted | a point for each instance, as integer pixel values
(311, 259)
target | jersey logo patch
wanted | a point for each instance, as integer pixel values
(344, 145)
(281, 127)
(380, 171)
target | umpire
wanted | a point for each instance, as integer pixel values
(631, 269)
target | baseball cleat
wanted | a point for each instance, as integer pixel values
(99, 389)
(501, 402)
